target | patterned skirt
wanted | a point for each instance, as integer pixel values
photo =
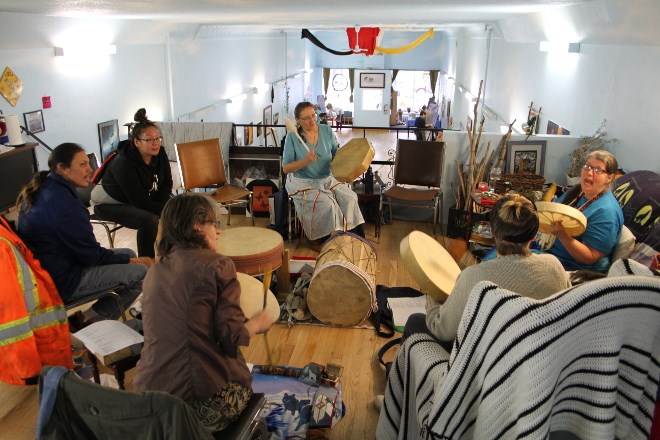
(219, 410)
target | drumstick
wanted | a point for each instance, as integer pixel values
(267, 277)
(291, 128)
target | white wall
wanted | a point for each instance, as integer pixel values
(82, 96)
(578, 91)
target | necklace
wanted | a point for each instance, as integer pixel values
(312, 137)
(587, 203)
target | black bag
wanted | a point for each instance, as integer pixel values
(383, 317)
(384, 350)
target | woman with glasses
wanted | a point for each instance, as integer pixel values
(136, 184)
(193, 323)
(592, 249)
(322, 202)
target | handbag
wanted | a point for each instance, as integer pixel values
(383, 316)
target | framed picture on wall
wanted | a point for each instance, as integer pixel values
(108, 137)
(268, 115)
(372, 80)
(34, 121)
(526, 157)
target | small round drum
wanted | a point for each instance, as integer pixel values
(253, 250)
(252, 298)
(343, 288)
(352, 159)
(429, 264)
(571, 219)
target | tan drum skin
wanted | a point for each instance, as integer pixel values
(573, 221)
(252, 297)
(352, 160)
(342, 291)
(430, 265)
(254, 250)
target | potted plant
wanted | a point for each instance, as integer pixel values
(586, 144)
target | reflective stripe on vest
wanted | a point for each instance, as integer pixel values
(20, 329)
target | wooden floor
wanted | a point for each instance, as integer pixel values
(354, 349)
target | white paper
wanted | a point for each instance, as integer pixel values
(108, 336)
(402, 308)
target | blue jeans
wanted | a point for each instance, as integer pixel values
(132, 217)
(124, 279)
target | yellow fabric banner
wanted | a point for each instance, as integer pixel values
(406, 48)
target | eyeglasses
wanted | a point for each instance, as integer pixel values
(308, 118)
(596, 170)
(157, 140)
(216, 223)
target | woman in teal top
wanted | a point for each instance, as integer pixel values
(322, 202)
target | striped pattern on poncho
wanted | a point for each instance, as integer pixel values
(584, 361)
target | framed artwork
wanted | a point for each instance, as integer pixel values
(276, 119)
(259, 129)
(372, 80)
(525, 157)
(34, 121)
(554, 128)
(268, 115)
(247, 134)
(108, 137)
(11, 86)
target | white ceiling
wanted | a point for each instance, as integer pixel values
(141, 21)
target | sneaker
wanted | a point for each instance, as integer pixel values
(77, 322)
(378, 401)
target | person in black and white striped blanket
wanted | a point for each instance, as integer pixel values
(584, 362)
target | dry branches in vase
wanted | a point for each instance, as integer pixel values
(474, 171)
(587, 144)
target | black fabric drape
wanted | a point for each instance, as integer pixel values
(326, 80)
(351, 80)
(307, 34)
(433, 74)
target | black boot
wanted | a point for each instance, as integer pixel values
(358, 230)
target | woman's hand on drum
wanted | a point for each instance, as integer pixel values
(557, 229)
(259, 323)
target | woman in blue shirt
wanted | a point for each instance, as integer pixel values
(322, 202)
(593, 248)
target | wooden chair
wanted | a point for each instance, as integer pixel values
(85, 195)
(417, 177)
(201, 166)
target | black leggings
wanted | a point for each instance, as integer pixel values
(132, 217)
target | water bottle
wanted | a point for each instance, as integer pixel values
(369, 181)
(495, 174)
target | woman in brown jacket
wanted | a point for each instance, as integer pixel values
(193, 324)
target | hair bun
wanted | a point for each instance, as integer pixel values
(140, 115)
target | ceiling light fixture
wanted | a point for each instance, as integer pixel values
(80, 51)
(559, 47)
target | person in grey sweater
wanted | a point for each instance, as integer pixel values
(514, 223)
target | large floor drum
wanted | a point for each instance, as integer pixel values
(343, 288)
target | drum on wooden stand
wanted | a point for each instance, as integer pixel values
(342, 291)
(252, 297)
(430, 265)
(352, 159)
(254, 250)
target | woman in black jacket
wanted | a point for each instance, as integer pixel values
(136, 184)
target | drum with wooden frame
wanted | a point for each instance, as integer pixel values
(352, 160)
(254, 250)
(430, 265)
(342, 291)
(252, 297)
(573, 221)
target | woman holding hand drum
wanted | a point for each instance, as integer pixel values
(514, 223)
(322, 202)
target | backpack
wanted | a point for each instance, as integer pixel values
(98, 173)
